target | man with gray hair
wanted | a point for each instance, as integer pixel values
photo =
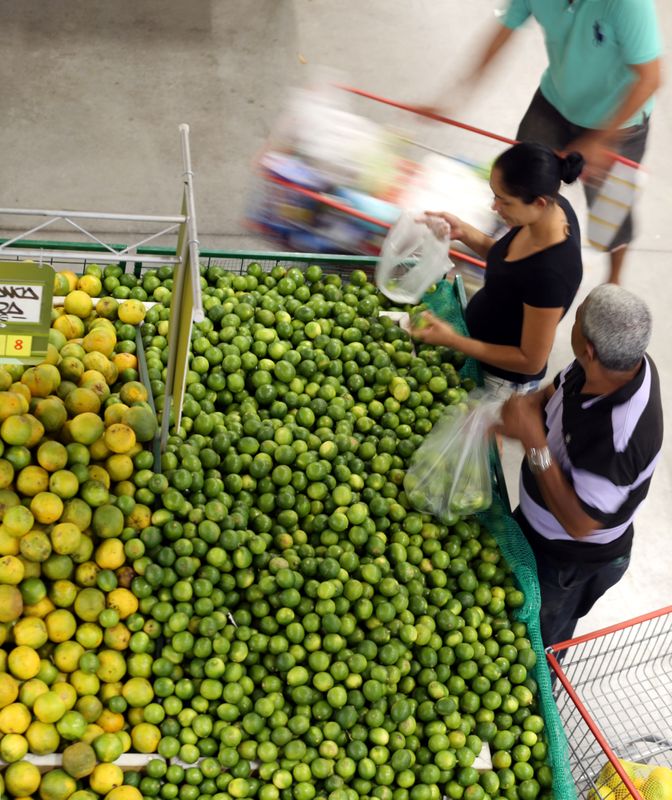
(592, 439)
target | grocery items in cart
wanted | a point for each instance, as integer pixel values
(653, 782)
(336, 180)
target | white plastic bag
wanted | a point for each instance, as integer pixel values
(414, 256)
(319, 126)
(442, 182)
(449, 475)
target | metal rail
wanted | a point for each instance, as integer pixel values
(21, 246)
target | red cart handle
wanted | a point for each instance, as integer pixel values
(472, 128)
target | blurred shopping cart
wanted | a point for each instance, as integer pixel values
(613, 690)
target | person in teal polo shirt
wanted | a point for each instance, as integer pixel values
(597, 91)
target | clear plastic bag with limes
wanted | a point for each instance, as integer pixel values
(449, 475)
(414, 256)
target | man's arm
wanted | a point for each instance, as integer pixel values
(648, 79)
(499, 37)
(453, 89)
(522, 420)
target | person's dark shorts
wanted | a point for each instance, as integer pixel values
(569, 588)
(544, 123)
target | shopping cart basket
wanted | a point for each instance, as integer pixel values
(614, 697)
(617, 188)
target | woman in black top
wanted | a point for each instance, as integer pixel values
(532, 273)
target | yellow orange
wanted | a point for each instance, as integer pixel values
(123, 601)
(31, 632)
(32, 480)
(43, 738)
(9, 689)
(101, 340)
(14, 718)
(11, 603)
(105, 778)
(23, 663)
(119, 438)
(90, 284)
(132, 312)
(46, 507)
(61, 625)
(70, 325)
(125, 361)
(22, 779)
(78, 303)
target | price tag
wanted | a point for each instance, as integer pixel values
(26, 291)
(21, 303)
(17, 346)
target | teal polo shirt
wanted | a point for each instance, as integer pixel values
(590, 44)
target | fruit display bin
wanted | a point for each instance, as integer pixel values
(238, 261)
(498, 519)
(129, 761)
(614, 695)
(142, 371)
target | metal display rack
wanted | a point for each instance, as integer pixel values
(614, 696)
(184, 257)
(21, 246)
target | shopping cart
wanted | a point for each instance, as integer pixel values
(617, 189)
(613, 690)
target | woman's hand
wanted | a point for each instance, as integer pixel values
(435, 221)
(432, 330)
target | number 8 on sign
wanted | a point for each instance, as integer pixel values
(19, 346)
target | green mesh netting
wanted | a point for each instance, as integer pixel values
(520, 558)
(447, 302)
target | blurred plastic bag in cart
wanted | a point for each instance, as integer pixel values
(319, 126)
(447, 183)
(414, 256)
(449, 475)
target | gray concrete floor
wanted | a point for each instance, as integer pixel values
(93, 92)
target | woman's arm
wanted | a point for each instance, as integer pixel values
(478, 241)
(539, 326)
(461, 231)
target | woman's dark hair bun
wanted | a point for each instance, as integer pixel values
(529, 170)
(571, 166)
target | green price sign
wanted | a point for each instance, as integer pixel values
(26, 291)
